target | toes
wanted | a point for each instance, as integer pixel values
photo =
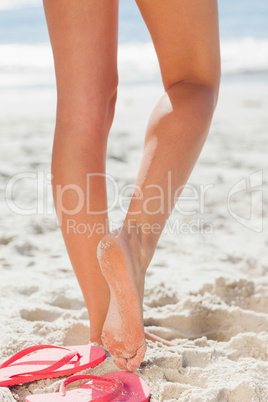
(155, 338)
(135, 361)
(120, 362)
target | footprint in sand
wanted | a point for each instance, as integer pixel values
(27, 290)
(26, 249)
(77, 334)
(39, 314)
(67, 303)
(218, 311)
(160, 295)
(5, 240)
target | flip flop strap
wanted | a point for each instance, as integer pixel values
(65, 359)
(114, 393)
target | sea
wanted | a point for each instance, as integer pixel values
(26, 57)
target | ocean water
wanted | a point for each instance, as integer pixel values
(26, 59)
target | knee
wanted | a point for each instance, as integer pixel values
(186, 110)
(200, 80)
(194, 100)
(195, 91)
(88, 111)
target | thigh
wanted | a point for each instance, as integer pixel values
(185, 34)
(83, 36)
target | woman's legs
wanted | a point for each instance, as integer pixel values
(83, 35)
(185, 35)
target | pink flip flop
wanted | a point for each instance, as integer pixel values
(49, 363)
(120, 386)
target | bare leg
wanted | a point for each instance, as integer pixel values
(185, 35)
(84, 43)
(83, 35)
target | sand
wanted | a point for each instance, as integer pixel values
(207, 286)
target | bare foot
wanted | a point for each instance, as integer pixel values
(123, 330)
(148, 336)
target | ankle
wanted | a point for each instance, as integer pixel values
(96, 339)
(139, 243)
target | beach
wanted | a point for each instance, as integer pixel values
(206, 288)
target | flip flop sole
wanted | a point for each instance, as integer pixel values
(82, 394)
(135, 389)
(91, 356)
